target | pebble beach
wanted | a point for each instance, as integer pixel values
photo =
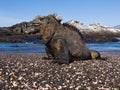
(28, 71)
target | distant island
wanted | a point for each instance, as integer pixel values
(92, 33)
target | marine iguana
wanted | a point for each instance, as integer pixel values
(62, 42)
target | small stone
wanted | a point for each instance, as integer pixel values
(34, 85)
(20, 78)
(0, 73)
(15, 84)
(88, 88)
(47, 85)
(78, 87)
(74, 68)
(94, 82)
(71, 87)
(31, 64)
(36, 74)
(60, 87)
(67, 81)
(21, 58)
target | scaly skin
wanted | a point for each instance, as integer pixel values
(61, 42)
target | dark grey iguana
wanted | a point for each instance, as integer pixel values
(61, 42)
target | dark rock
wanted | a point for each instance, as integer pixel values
(95, 32)
(16, 33)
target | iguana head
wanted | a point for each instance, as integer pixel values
(45, 25)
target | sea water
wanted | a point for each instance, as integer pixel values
(105, 46)
(39, 48)
(21, 48)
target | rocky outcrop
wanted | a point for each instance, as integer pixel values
(16, 33)
(96, 32)
(22, 32)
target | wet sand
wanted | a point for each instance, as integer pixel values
(28, 71)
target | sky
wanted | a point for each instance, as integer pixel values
(105, 12)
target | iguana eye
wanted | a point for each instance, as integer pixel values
(48, 23)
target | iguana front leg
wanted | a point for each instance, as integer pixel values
(49, 53)
(61, 52)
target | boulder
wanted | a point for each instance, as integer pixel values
(16, 33)
(92, 33)
(95, 32)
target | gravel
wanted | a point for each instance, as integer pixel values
(28, 71)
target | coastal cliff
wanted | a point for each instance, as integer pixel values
(92, 33)
(95, 32)
(16, 33)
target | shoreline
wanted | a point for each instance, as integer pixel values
(30, 71)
